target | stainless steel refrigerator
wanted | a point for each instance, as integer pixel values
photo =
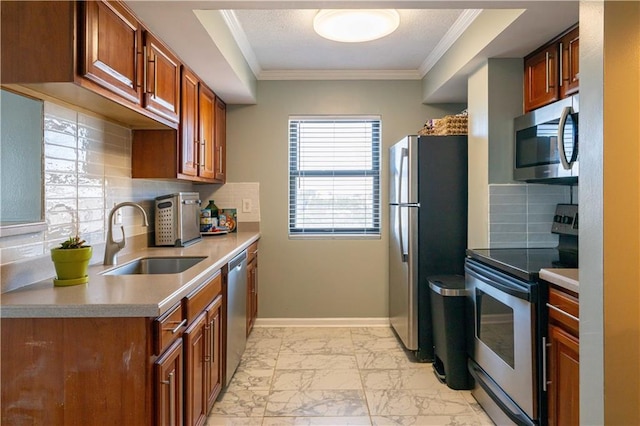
(427, 230)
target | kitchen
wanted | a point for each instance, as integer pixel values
(294, 261)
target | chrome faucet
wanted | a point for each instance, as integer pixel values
(113, 247)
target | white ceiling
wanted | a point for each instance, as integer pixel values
(230, 44)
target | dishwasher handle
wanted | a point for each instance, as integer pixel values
(237, 261)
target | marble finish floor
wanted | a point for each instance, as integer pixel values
(334, 377)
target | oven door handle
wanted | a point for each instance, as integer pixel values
(512, 411)
(506, 287)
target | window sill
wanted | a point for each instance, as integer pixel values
(9, 229)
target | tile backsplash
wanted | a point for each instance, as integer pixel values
(520, 215)
(231, 196)
(86, 171)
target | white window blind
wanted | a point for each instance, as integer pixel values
(334, 176)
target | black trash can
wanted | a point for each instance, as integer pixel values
(448, 315)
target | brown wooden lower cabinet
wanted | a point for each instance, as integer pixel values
(115, 371)
(563, 391)
(214, 345)
(75, 371)
(168, 372)
(195, 378)
(252, 286)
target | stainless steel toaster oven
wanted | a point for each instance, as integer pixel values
(177, 219)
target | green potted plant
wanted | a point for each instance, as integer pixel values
(71, 261)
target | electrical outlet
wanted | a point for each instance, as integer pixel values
(246, 205)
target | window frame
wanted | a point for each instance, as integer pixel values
(294, 173)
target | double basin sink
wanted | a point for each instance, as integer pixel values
(155, 265)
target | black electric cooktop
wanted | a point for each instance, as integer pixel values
(525, 263)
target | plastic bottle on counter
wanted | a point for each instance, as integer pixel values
(209, 217)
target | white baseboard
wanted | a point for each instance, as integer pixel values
(322, 322)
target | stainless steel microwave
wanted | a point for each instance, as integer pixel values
(546, 143)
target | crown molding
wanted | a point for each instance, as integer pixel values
(457, 29)
(239, 36)
(340, 75)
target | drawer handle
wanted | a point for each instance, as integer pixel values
(555, 308)
(172, 398)
(178, 327)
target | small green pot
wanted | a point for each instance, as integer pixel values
(71, 265)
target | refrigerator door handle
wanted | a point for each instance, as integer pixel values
(404, 254)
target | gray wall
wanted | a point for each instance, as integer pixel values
(317, 278)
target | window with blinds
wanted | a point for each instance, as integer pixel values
(334, 176)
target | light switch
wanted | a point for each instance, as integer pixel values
(246, 205)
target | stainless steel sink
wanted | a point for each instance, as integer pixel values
(155, 265)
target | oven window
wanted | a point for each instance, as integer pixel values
(495, 326)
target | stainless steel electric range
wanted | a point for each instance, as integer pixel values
(506, 313)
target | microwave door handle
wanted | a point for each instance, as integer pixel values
(561, 151)
(404, 255)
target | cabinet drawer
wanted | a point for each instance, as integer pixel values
(252, 252)
(168, 328)
(564, 309)
(199, 299)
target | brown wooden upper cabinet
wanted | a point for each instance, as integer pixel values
(111, 40)
(570, 63)
(90, 54)
(551, 72)
(162, 79)
(199, 130)
(196, 152)
(220, 141)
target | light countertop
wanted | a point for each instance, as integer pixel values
(565, 278)
(126, 295)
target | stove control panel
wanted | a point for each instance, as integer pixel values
(565, 221)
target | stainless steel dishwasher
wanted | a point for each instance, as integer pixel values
(236, 313)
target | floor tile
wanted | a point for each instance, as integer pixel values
(371, 332)
(241, 403)
(318, 346)
(413, 378)
(216, 420)
(316, 403)
(427, 421)
(416, 402)
(377, 344)
(304, 333)
(264, 344)
(258, 360)
(252, 379)
(333, 376)
(387, 360)
(317, 379)
(317, 421)
(315, 362)
(260, 332)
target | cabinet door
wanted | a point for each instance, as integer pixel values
(214, 346)
(162, 79)
(189, 124)
(252, 293)
(564, 376)
(168, 386)
(540, 77)
(111, 46)
(570, 63)
(206, 152)
(220, 141)
(195, 351)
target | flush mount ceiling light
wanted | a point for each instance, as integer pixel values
(355, 25)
